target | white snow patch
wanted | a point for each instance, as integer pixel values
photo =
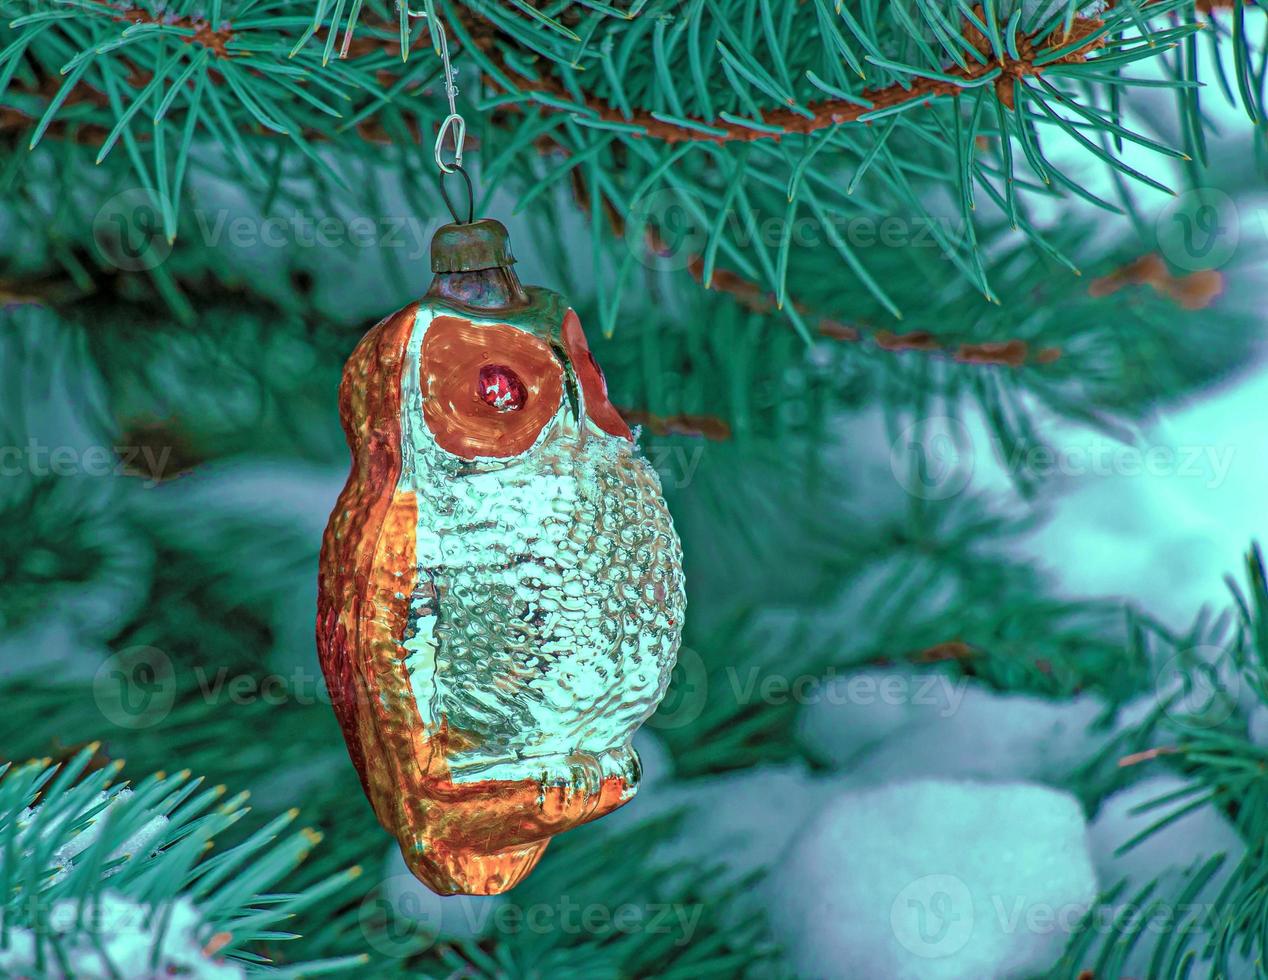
(742, 820)
(1166, 859)
(934, 880)
(1180, 846)
(1259, 726)
(63, 858)
(894, 725)
(126, 933)
(859, 711)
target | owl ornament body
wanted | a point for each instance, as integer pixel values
(500, 588)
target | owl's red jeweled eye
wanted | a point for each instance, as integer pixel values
(489, 389)
(501, 388)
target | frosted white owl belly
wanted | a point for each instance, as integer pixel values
(559, 606)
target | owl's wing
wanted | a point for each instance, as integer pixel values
(369, 406)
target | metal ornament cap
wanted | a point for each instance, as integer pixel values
(473, 247)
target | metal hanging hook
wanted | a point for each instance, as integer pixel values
(453, 122)
(444, 192)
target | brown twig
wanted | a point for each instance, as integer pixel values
(949, 651)
(1000, 353)
(1004, 353)
(956, 650)
(706, 426)
(1149, 754)
(214, 39)
(1195, 291)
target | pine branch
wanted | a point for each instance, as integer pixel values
(1004, 70)
(611, 126)
(963, 105)
(103, 879)
(1202, 722)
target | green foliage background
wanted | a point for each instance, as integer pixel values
(635, 143)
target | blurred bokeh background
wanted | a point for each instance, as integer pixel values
(972, 601)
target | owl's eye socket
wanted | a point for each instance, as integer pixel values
(598, 369)
(594, 385)
(489, 389)
(501, 388)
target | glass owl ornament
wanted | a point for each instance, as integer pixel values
(500, 589)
